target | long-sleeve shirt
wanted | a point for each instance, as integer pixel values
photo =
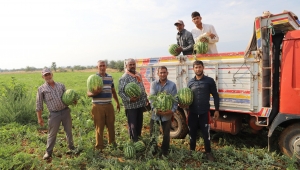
(51, 96)
(206, 28)
(201, 94)
(170, 88)
(141, 102)
(185, 40)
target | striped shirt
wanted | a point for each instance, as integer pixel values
(51, 96)
(141, 102)
(105, 95)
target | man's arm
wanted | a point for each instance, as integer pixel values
(214, 92)
(174, 92)
(39, 107)
(214, 38)
(122, 84)
(114, 93)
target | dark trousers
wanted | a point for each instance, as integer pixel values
(195, 122)
(135, 122)
(166, 127)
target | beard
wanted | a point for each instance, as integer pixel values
(49, 80)
(199, 74)
(131, 70)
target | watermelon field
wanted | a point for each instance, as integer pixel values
(23, 141)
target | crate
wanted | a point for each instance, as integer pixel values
(230, 124)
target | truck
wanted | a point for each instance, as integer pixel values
(259, 87)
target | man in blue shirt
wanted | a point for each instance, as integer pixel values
(201, 86)
(161, 85)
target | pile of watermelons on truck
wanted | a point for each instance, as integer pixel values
(259, 87)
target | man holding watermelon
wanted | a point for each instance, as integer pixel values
(184, 39)
(51, 93)
(134, 105)
(164, 117)
(202, 86)
(102, 110)
(204, 33)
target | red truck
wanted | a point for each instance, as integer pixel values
(259, 87)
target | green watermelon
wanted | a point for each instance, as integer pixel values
(172, 49)
(69, 96)
(94, 82)
(139, 146)
(185, 96)
(162, 101)
(201, 47)
(129, 151)
(133, 90)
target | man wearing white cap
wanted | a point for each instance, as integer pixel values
(184, 39)
(50, 93)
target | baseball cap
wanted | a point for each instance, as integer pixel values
(45, 71)
(179, 22)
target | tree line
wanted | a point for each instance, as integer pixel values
(118, 65)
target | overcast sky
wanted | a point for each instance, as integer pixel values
(80, 32)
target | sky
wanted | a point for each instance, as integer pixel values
(36, 33)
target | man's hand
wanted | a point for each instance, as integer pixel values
(204, 40)
(216, 115)
(97, 91)
(212, 36)
(134, 99)
(179, 49)
(183, 106)
(118, 107)
(41, 121)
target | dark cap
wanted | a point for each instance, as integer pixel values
(45, 71)
(179, 22)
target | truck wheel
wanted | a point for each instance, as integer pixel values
(289, 141)
(179, 128)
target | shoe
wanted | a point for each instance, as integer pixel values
(47, 156)
(210, 157)
(73, 151)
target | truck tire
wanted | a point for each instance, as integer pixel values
(289, 141)
(179, 128)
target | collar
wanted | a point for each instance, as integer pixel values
(100, 74)
(181, 32)
(158, 82)
(199, 79)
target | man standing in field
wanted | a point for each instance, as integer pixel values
(133, 106)
(102, 111)
(184, 39)
(201, 86)
(50, 93)
(157, 86)
(204, 30)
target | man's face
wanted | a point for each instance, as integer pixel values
(198, 69)
(101, 67)
(179, 27)
(48, 77)
(131, 66)
(197, 20)
(162, 74)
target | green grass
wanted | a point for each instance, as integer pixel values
(23, 144)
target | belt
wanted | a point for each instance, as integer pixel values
(61, 109)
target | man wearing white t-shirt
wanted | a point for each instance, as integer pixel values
(204, 30)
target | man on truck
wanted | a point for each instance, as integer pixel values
(184, 39)
(204, 33)
(201, 86)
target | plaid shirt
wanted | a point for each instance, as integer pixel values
(51, 96)
(123, 81)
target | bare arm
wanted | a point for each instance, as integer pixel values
(114, 93)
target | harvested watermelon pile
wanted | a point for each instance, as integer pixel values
(69, 97)
(94, 82)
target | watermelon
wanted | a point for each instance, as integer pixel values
(162, 101)
(69, 96)
(172, 49)
(133, 90)
(185, 96)
(129, 151)
(94, 82)
(139, 146)
(201, 47)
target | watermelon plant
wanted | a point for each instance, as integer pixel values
(69, 97)
(133, 90)
(185, 96)
(172, 49)
(94, 82)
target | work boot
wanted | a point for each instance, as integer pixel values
(47, 156)
(210, 157)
